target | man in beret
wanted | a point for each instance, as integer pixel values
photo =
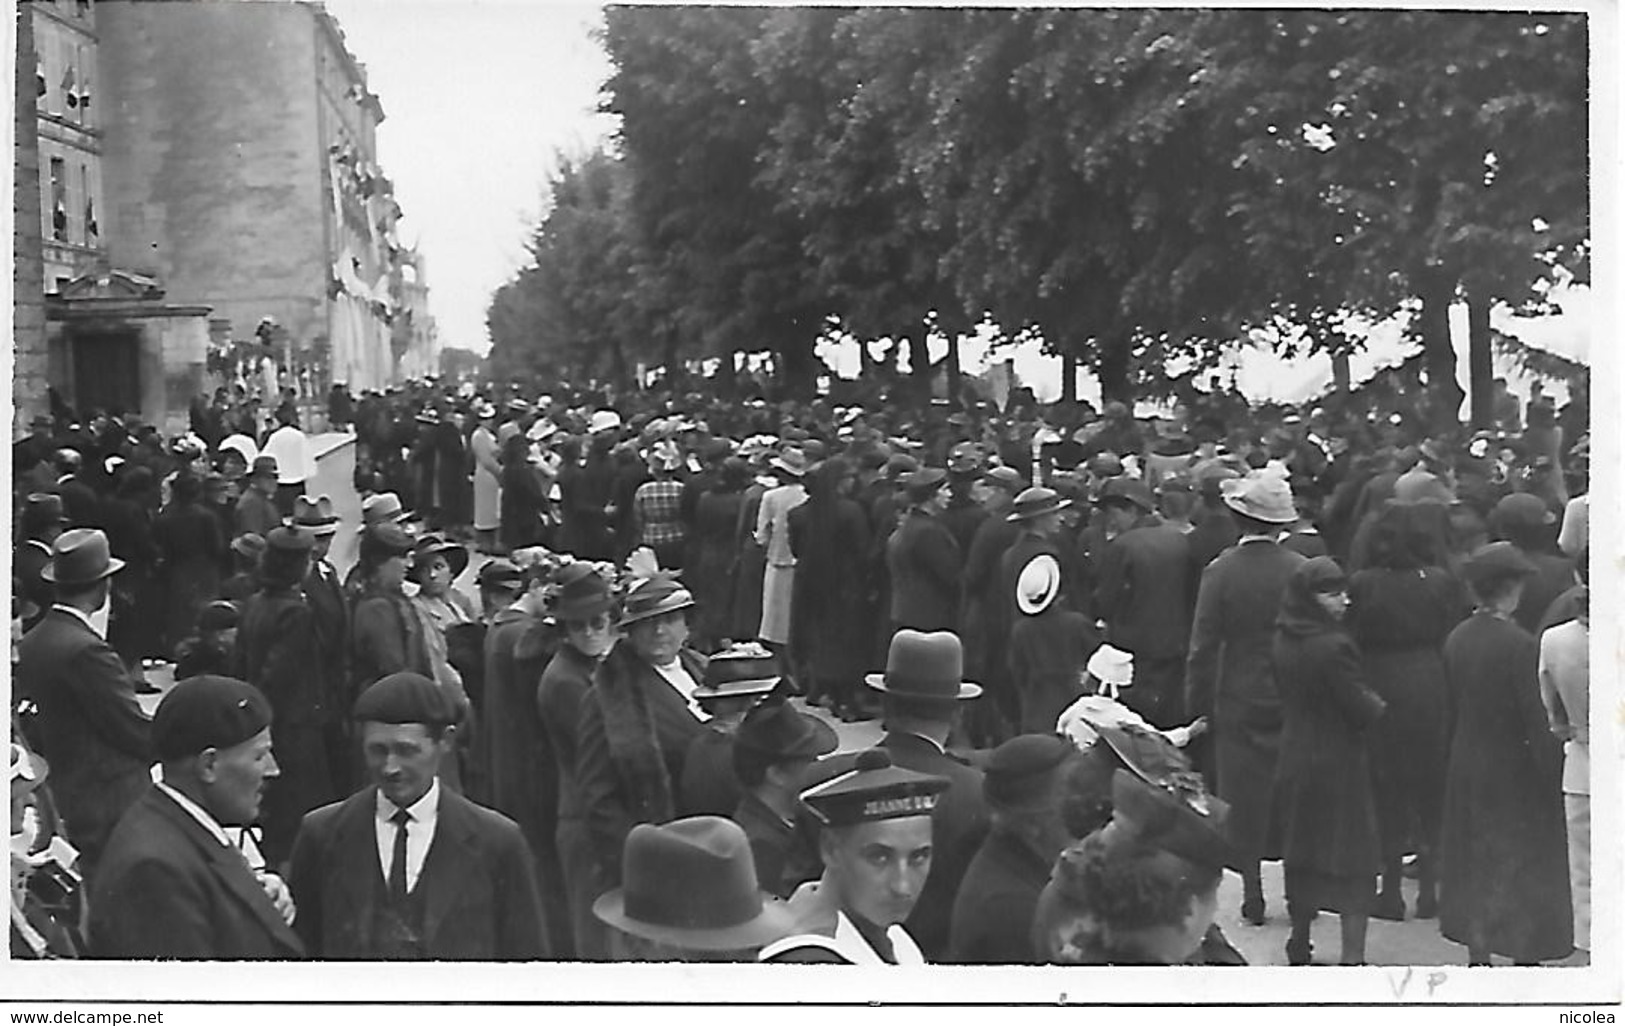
(406, 869)
(875, 839)
(993, 913)
(171, 883)
(88, 723)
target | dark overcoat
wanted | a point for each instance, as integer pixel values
(559, 696)
(982, 629)
(1143, 590)
(634, 731)
(89, 727)
(1230, 679)
(278, 651)
(828, 623)
(924, 563)
(993, 914)
(1400, 619)
(713, 555)
(1325, 811)
(192, 549)
(478, 883)
(167, 888)
(1503, 865)
(330, 616)
(750, 570)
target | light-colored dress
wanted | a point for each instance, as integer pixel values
(487, 480)
(1565, 678)
(773, 535)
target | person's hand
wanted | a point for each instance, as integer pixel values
(277, 890)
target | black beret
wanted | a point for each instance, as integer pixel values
(207, 712)
(405, 698)
(1020, 771)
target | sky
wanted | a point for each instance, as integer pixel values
(479, 98)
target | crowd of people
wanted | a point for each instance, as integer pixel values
(1112, 658)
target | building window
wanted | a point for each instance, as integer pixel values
(93, 231)
(59, 199)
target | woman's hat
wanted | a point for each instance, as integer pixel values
(430, 545)
(541, 430)
(1038, 584)
(428, 416)
(499, 573)
(579, 592)
(1175, 814)
(1036, 502)
(484, 411)
(1127, 490)
(650, 597)
(315, 515)
(1264, 497)
(791, 461)
(1112, 666)
(1021, 772)
(924, 665)
(80, 556)
(740, 671)
(1521, 510)
(242, 445)
(774, 729)
(691, 883)
(1495, 562)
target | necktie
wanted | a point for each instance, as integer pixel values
(397, 862)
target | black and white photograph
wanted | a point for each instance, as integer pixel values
(611, 504)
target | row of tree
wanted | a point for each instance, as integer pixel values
(1135, 187)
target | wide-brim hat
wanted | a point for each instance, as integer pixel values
(1038, 583)
(431, 545)
(1036, 502)
(923, 481)
(691, 883)
(315, 515)
(924, 665)
(774, 729)
(1175, 814)
(541, 429)
(382, 508)
(1521, 509)
(79, 557)
(790, 461)
(740, 671)
(484, 411)
(650, 597)
(1263, 497)
(603, 420)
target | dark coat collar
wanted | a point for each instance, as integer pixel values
(228, 865)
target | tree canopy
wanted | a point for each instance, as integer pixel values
(1131, 185)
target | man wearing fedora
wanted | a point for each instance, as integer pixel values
(579, 600)
(921, 695)
(172, 883)
(88, 724)
(689, 893)
(923, 559)
(638, 721)
(877, 840)
(406, 869)
(1229, 675)
(774, 747)
(257, 512)
(330, 613)
(43, 520)
(1142, 594)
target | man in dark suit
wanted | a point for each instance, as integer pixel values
(256, 510)
(172, 883)
(1142, 595)
(923, 558)
(79, 500)
(325, 594)
(43, 521)
(88, 724)
(406, 869)
(921, 692)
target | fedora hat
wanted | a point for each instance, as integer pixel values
(650, 597)
(923, 481)
(692, 883)
(383, 508)
(775, 729)
(264, 466)
(791, 461)
(1264, 497)
(1038, 584)
(249, 546)
(430, 545)
(1127, 490)
(922, 665)
(41, 510)
(739, 671)
(80, 556)
(315, 515)
(1035, 502)
(579, 592)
